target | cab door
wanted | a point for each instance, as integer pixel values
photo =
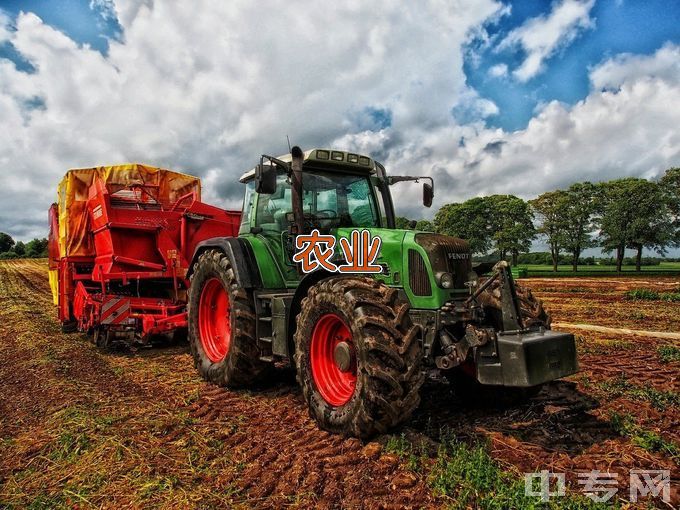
(271, 226)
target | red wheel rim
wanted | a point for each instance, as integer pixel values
(336, 386)
(213, 320)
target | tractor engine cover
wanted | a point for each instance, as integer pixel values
(447, 255)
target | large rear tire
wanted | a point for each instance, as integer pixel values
(358, 356)
(222, 324)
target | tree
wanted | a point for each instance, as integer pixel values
(425, 225)
(20, 249)
(6, 242)
(652, 224)
(635, 214)
(615, 215)
(470, 220)
(36, 248)
(550, 208)
(580, 208)
(401, 223)
(512, 224)
(670, 186)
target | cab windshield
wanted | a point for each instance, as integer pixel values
(330, 200)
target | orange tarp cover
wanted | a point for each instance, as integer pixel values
(168, 187)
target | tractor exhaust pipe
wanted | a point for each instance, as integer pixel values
(296, 189)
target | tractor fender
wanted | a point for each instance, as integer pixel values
(240, 254)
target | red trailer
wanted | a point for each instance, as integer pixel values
(120, 245)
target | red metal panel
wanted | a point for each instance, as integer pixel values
(136, 240)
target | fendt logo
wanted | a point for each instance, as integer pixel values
(360, 251)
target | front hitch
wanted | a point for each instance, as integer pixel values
(515, 355)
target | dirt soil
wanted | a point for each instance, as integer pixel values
(79, 428)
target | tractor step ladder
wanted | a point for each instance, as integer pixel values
(271, 325)
(263, 329)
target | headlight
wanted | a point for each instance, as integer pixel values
(446, 281)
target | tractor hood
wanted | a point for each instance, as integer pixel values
(431, 268)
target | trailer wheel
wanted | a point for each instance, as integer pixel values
(102, 338)
(222, 324)
(358, 356)
(69, 326)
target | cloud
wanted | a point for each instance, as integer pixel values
(206, 87)
(614, 72)
(470, 107)
(105, 8)
(498, 71)
(628, 129)
(542, 36)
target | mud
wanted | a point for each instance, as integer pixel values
(134, 429)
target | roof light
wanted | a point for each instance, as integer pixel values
(352, 158)
(322, 155)
(337, 156)
(363, 160)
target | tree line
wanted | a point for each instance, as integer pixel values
(9, 249)
(629, 213)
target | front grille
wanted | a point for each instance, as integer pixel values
(447, 254)
(451, 244)
(418, 278)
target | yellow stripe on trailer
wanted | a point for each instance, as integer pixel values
(54, 285)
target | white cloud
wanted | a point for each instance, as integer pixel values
(625, 67)
(628, 130)
(542, 36)
(104, 8)
(498, 71)
(206, 87)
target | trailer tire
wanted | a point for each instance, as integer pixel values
(102, 339)
(69, 326)
(374, 383)
(222, 324)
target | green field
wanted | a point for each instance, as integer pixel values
(663, 269)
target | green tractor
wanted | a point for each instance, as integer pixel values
(362, 343)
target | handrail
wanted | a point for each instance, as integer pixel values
(181, 199)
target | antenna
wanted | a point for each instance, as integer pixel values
(289, 149)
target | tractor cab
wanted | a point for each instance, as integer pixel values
(336, 191)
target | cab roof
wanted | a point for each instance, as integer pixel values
(330, 157)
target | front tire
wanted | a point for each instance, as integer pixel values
(222, 324)
(358, 356)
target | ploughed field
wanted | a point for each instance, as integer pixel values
(79, 428)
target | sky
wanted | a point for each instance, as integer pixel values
(486, 96)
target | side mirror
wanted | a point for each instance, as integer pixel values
(428, 194)
(265, 179)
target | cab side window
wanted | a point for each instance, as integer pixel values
(247, 206)
(272, 209)
(361, 204)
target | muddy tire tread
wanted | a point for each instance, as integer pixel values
(389, 353)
